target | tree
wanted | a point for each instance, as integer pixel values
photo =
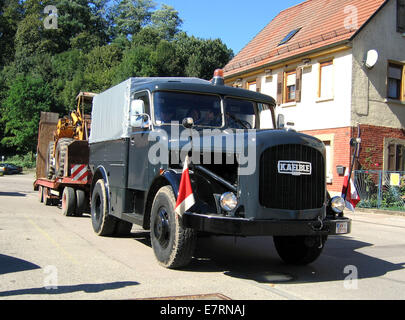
(130, 16)
(166, 21)
(26, 98)
(10, 15)
(201, 57)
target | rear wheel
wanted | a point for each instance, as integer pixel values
(82, 203)
(48, 201)
(68, 201)
(299, 250)
(103, 224)
(41, 194)
(172, 244)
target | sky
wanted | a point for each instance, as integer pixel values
(235, 22)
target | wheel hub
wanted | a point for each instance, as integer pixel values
(162, 229)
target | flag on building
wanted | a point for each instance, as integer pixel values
(185, 198)
(349, 192)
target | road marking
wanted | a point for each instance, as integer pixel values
(54, 242)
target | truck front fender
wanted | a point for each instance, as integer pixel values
(168, 177)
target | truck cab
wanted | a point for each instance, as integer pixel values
(249, 175)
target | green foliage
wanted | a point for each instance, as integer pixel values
(97, 44)
(26, 161)
(26, 98)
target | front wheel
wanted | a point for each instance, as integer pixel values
(299, 250)
(172, 244)
(103, 224)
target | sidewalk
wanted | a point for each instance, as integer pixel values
(379, 211)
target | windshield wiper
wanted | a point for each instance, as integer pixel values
(237, 120)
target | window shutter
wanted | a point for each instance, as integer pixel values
(400, 158)
(403, 83)
(280, 84)
(298, 85)
(258, 84)
(391, 157)
(401, 16)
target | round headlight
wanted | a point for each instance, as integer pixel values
(228, 201)
(337, 204)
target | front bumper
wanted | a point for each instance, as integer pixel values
(247, 227)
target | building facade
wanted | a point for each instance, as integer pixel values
(334, 67)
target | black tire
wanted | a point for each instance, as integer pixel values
(82, 203)
(103, 224)
(50, 165)
(172, 244)
(299, 250)
(41, 194)
(122, 228)
(47, 200)
(68, 202)
(60, 155)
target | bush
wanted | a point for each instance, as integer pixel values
(26, 161)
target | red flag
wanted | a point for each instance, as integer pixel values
(185, 198)
(352, 196)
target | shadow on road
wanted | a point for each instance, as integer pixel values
(12, 194)
(88, 288)
(10, 264)
(255, 258)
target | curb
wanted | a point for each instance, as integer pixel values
(379, 211)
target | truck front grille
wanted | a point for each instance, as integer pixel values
(286, 191)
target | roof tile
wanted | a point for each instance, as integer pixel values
(322, 23)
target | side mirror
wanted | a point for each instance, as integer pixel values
(280, 121)
(137, 113)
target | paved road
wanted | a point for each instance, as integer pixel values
(41, 248)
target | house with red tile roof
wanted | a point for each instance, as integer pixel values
(335, 66)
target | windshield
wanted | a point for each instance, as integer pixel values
(206, 111)
(175, 106)
(241, 114)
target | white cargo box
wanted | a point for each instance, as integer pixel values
(110, 117)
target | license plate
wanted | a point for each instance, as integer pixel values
(341, 227)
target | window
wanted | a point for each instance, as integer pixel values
(395, 80)
(396, 157)
(290, 86)
(326, 79)
(401, 16)
(289, 36)
(252, 86)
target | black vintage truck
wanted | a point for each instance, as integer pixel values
(250, 175)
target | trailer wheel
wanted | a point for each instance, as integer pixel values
(103, 223)
(172, 244)
(81, 203)
(41, 194)
(48, 201)
(299, 250)
(68, 201)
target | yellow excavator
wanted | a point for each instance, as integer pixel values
(70, 130)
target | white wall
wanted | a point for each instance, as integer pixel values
(314, 113)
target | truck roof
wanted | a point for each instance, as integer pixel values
(196, 85)
(110, 112)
